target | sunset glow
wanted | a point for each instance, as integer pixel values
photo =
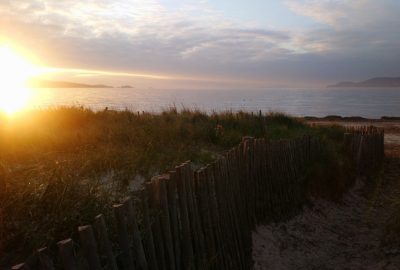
(15, 71)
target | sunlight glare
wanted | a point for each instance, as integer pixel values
(14, 73)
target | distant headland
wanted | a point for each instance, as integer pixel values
(374, 82)
(63, 84)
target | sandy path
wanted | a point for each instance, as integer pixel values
(334, 236)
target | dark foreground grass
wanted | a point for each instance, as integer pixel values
(60, 167)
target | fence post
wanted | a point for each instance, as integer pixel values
(360, 152)
(44, 260)
(123, 237)
(187, 247)
(156, 228)
(67, 254)
(194, 216)
(148, 234)
(174, 212)
(161, 200)
(137, 239)
(21, 266)
(104, 242)
(89, 247)
(205, 217)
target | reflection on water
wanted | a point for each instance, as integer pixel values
(369, 102)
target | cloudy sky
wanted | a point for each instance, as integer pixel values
(207, 43)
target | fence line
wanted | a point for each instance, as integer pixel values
(365, 145)
(203, 219)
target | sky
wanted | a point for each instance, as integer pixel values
(207, 43)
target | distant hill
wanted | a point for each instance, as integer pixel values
(374, 82)
(63, 84)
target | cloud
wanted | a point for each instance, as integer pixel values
(189, 38)
(343, 14)
(361, 27)
(145, 32)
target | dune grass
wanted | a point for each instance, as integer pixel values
(59, 167)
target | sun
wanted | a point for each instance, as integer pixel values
(14, 72)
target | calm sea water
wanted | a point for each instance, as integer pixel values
(370, 102)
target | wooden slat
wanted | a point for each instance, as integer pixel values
(193, 216)
(186, 242)
(215, 215)
(123, 237)
(156, 227)
(104, 241)
(89, 246)
(174, 213)
(45, 262)
(21, 266)
(201, 183)
(162, 201)
(148, 233)
(166, 221)
(67, 254)
(138, 250)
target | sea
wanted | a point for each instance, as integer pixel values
(318, 102)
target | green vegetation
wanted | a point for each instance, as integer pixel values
(60, 167)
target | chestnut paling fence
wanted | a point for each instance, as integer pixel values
(365, 145)
(203, 219)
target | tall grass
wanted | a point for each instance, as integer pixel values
(59, 167)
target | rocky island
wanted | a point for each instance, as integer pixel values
(63, 84)
(374, 82)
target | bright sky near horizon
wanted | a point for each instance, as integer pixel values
(206, 43)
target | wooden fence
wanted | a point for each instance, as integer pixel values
(204, 219)
(365, 146)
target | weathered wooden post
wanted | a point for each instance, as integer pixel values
(21, 266)
(67, 254)
(156, 227)
(89, 246)
(161, 202)
(174, 214)
(148, 233)
(104, 241)
(138, 250)
(45, 262)
(123, 237)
